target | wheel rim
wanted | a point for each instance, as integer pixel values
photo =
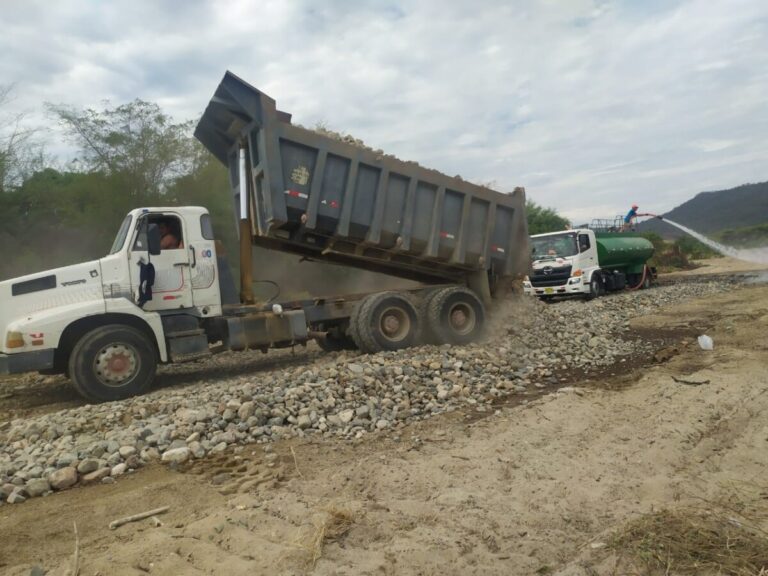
(394, 324)
(116, 364)
(462, 318)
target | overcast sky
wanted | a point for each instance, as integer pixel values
(591, 105)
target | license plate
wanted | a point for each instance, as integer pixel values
(549, 290)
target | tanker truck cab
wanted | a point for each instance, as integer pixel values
(108, 323)
(563, 263)
(588, 262)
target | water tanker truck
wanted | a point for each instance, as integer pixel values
(588, 261)
(108, 323)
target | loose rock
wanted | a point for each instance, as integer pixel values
(16, 497)
(63, 479)
(88, 465)
(38, 487)
(96, 475)
(176, 456)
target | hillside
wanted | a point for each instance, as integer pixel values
(711, 212)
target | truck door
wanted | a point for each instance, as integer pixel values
(203, 268)
(172, 288)
(585, 248)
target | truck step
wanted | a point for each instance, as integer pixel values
(180, 323)
(185, 333)
(191, 357)
(188, 345)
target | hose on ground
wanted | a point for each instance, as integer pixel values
(642, 280)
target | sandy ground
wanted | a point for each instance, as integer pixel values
(530, 489)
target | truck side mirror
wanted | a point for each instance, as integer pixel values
(153, 240)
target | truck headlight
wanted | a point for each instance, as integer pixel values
(14, 340)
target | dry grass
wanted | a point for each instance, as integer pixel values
(723, 539)
(331, 527)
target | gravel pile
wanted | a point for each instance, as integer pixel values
(343, 395)
(352, 141)
(356, 142)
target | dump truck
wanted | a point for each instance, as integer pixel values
(108, 323)
(589, 261)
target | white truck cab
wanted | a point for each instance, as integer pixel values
(94, 320)
(563, 263)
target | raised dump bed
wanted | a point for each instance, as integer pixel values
(316, 195)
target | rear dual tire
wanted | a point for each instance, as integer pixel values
(391, 321)
(385, 321)
(454, 315)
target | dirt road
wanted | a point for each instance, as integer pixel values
(539, 488)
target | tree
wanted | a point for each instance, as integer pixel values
(137, 140)
(541, 220)
(131, 155)
(20, 154)
(59, 218)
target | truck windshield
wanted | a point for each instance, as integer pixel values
(556, 245)
(121, 235)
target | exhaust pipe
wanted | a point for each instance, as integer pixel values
(246, 260)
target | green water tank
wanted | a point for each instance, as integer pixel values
(623, 251)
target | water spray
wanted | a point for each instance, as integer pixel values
(756, 255)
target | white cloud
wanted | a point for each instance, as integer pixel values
(590, 105)
(713, 145)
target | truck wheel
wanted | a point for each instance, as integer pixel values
(455, 316)
(112, 363)
(385, 321)
(427, 336)
(595, 287)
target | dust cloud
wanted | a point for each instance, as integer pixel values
(299, 278)
(511, 316)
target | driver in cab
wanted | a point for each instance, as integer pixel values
(170, 238)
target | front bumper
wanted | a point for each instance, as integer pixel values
(567, 289)
(26, 361)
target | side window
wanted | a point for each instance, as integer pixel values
(170, 232)
(206, 227)
(140, 244)
(583, 243)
